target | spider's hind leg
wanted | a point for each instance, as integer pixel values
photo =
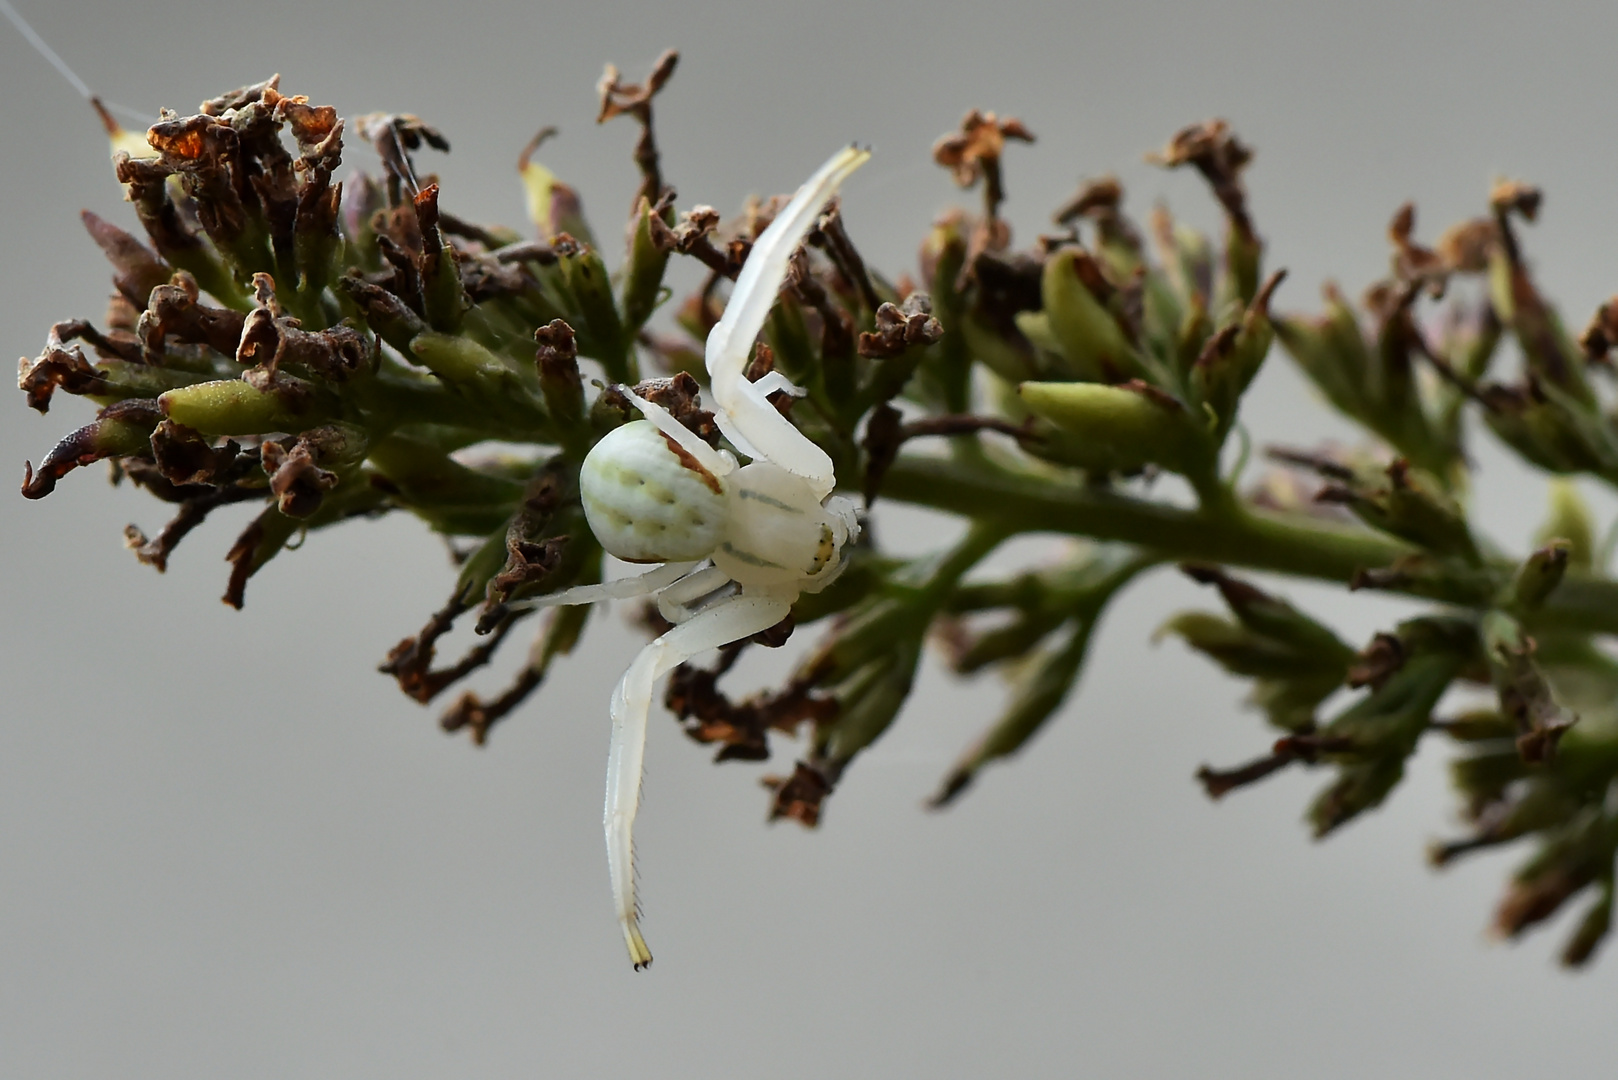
(719, 624)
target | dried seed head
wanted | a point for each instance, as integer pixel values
(977, 145)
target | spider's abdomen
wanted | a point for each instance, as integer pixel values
(647, 501)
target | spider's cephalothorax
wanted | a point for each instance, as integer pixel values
(737, 546)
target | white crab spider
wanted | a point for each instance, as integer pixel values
(737, 545)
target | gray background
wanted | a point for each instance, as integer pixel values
(228, 848)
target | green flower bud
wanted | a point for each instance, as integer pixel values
(1045, 683)
(1592, 930)
(1237, 648)
(1538, 576)
(1013, 361)
(553, 206)
(1420, 511)
(1525, 695)
(473, 370)
(1569, 521)
(1549, 350)
(1359, 787)
(945, 375)
(386, 314)
(1289, 704)
(236, 407)
(1162, 316)
(1274, 618)
(587, 281)
(1016, 638)
(1332, 352)
(1480, 725)
(1229, 361)
(1122, 428)
(1552, 429)
(1485, 776)
(1412, 507)
(450, 496)
(1049, 357)
(643, 272)
(1186, 256)
(871, 704)
(120, 429)
(1090, 335)
(123, 379)
(1473, 349)
(441, 292)
(559, 380)
(1244, 255)
(1377, 733)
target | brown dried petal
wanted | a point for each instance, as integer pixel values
(619, 97)
(680, 394)
(311, 124)
(173, 311)
(296, 481)
(1537, 899)
(242, 97)
(1377, 662)
(195, 504)
(185, 457)
(897, 331)
(1514, 195)
(800, 796)
(526, 562)
(980, 140)
(136, 271)
(1465, 248)
(57, 367)
(1095, 198)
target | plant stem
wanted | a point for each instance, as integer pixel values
(1236, 535)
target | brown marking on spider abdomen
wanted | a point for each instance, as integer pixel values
(690, 462)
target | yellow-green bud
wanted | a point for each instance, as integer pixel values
(643, 271)
(1569, 521)
(1539, 575)
(586, 277)
(236, 407)
(1089, 333)
(1124, 427)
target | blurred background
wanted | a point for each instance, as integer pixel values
(229, 848)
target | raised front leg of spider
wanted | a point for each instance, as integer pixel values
(738, 545)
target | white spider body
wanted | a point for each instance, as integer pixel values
(655, 492)
(648, 500)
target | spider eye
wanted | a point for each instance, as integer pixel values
(649, 501)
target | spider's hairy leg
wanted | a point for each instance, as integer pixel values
(744, 414)
(679, 601)
(724, 622)
(623, 589)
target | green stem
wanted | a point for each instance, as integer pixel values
(1236, 535)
